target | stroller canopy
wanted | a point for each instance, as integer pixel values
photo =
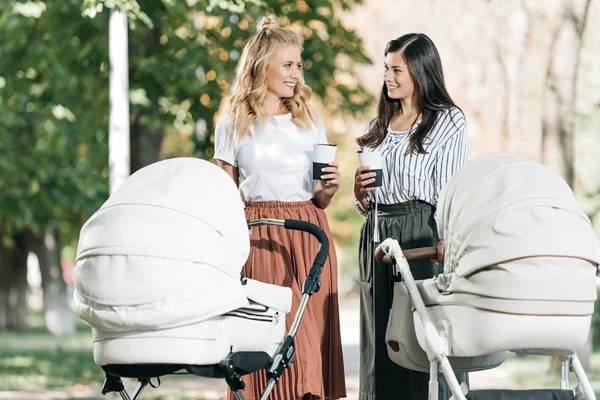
(501, 207)
(167, 246)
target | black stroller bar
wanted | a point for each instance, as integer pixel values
(235, 365)
(313, 280)
(284, 355)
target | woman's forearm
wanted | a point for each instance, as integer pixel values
(322, 199)
(363, 203)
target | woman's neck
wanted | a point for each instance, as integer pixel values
(273, 105)
(407, 108)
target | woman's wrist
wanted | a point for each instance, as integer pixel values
(362, 203)
(323, 199)
(360, 197)
(359, 208)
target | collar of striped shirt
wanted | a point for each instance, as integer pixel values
(422, 176)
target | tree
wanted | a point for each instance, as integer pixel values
(182, 60)
(558, 132)
(52, 155)
(558, 128)
(54, 107)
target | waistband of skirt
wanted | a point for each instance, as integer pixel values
(404, 208)
(263, 205)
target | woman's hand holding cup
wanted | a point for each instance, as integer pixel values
(331, 179)
(368, 176)
(361, 180)
(325, 168)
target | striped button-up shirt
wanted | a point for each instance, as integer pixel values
(421, 176)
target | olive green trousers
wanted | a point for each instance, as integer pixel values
(413, 224)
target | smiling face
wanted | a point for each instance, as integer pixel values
(284, 71)
(397, 79)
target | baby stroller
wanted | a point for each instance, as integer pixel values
(519, 275)
(158, 278)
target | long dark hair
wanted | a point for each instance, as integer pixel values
(425, 69)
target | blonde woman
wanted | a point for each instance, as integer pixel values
(265, 145)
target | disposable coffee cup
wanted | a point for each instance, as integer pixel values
(374, 161)
(323, 154)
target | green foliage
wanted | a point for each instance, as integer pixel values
(131, 8)
(53, 149)
(183, 60)
(54, 89)
(236, 6)
(532, 372)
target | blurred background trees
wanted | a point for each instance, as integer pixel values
(524, 72)
(54, 110)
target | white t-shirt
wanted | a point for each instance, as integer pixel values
(275, 164)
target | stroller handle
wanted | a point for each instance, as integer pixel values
(313, 280)
(285, 353)
(421, 253)
(314, 230)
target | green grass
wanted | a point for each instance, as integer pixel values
(37, 330)
(533, 373)
(34, 370)
(34, 360)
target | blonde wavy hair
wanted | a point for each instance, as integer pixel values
(249, 88)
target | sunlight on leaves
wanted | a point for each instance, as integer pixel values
(61, 112)
(139, 97)
(19, 361)
(30, 9)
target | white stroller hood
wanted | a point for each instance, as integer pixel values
(501, 207)
(158, 277)
(165, 250)
(519, 275)
(520, 260)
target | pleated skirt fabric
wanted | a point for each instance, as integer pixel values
(284, 257)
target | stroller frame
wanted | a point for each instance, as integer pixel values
(390, 252)
(235, 365)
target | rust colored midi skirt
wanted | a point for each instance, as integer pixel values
(284, 257)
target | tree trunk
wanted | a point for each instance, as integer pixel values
(58, 316)
(118, 131)
(13, 286)
(558, 124)
(145, 141)
(145, 144)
